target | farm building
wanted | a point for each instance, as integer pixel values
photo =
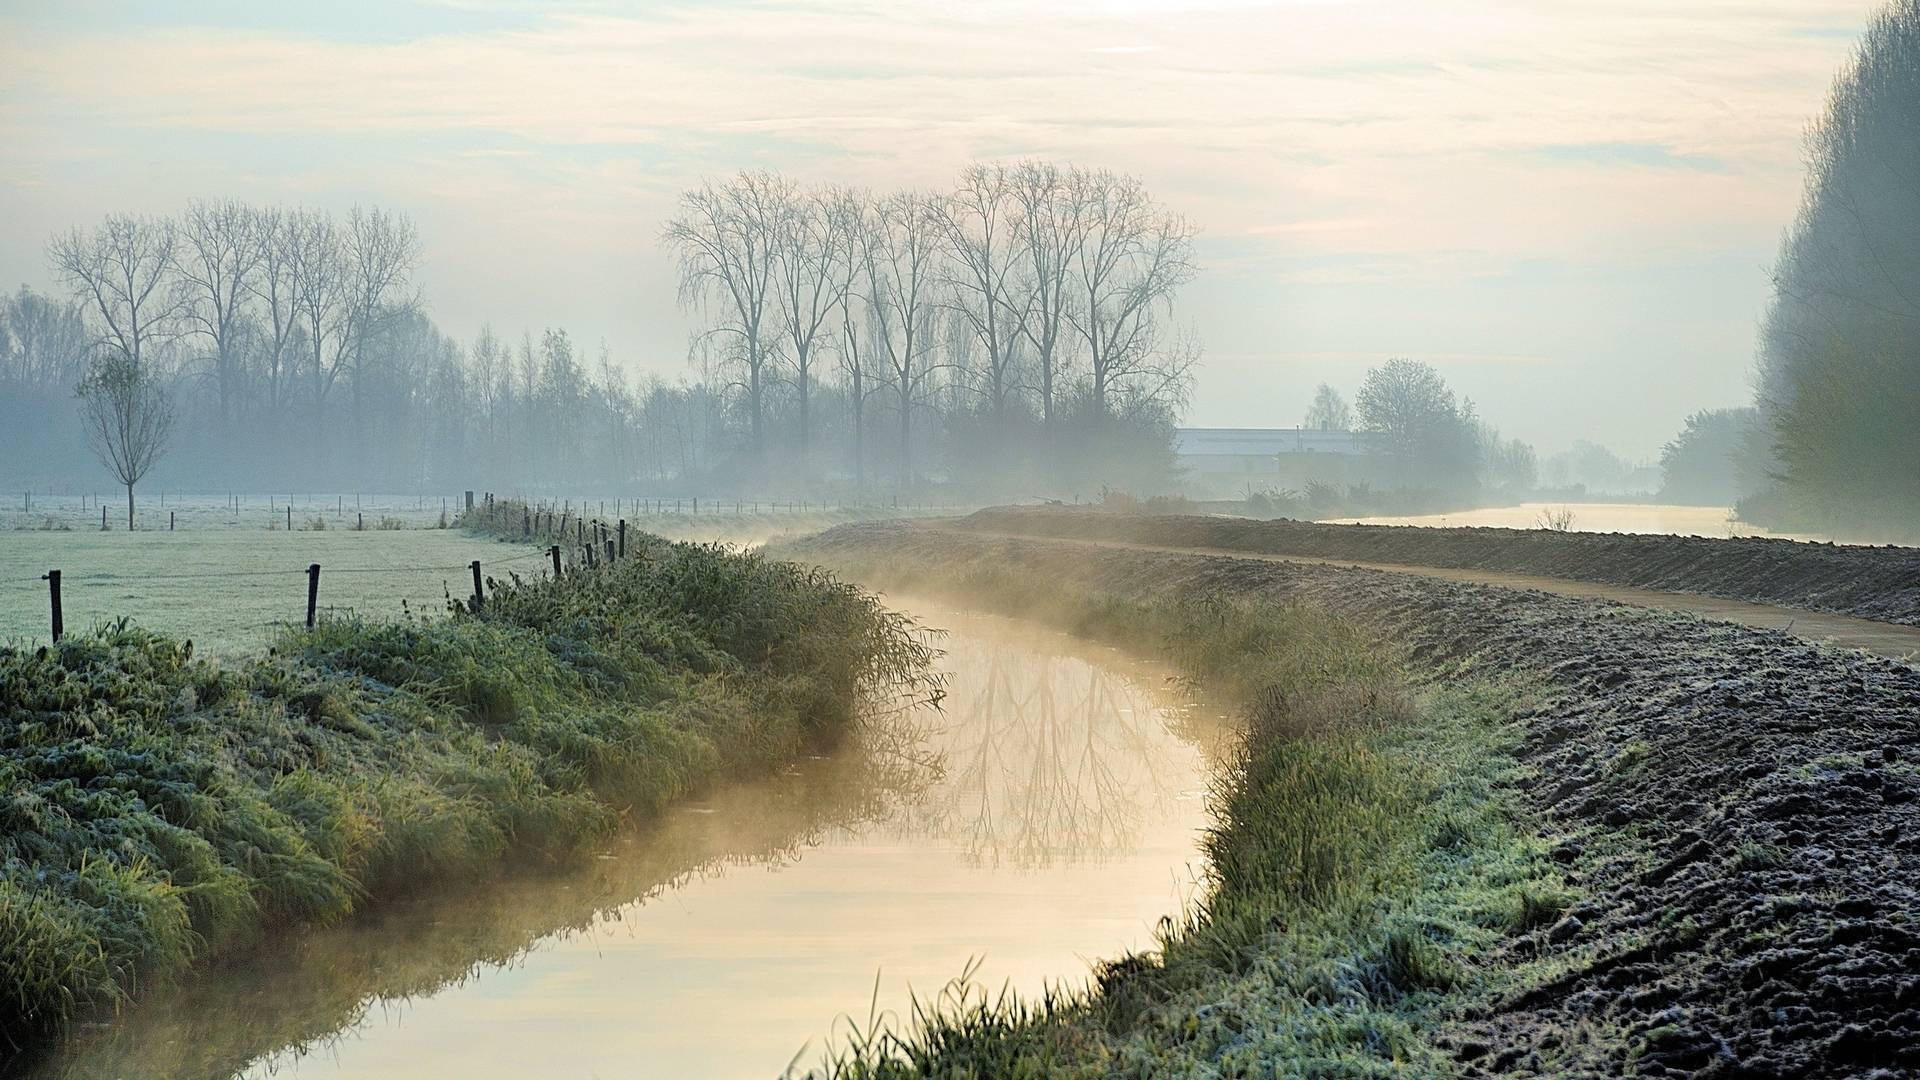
(1230, 461)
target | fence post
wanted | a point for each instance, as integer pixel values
(623, 538)
(469, 502)
(609, 544)
(170, 514)
(478, 597)
(589, 550)
(289, 517)
(103, 519)
(555, 552)
(313, 591)
(526, 522)
(53, 594)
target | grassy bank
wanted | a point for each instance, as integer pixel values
(160, 809)
(1371, 865)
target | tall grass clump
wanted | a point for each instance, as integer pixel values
(1370, 858)
(157, 808)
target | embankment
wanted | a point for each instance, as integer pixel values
(1881, 583)
(1728, 818)
(160, 809)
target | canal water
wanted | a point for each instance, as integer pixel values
(730, 939)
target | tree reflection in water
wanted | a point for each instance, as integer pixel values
(1052, 756)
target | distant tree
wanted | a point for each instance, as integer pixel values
(128, 419)
(1509, 465)
(219, 254)
(1409, 415)
(1328, 412)
(1132, 257)
(726, 237)
(121, 272)
(987, 282)
(809, 272)
(901, 269)
(1701, 463)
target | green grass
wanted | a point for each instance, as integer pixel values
(161, 808)
(1371, 858)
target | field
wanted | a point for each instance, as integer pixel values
(155, 510)
(227, 589)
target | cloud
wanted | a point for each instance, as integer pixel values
(1642, 155)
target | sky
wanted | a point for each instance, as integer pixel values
(1568, 206)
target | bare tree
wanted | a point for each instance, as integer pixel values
(1329, 411)
(724, 240)
(380, 250)
(850, 208)
(317, 288)
(981, 222)
(809, 281)
(219, 255)
(1131, 259)
(901, 264)
(120, 270)
(127, 417)
(276, 285)
(1049, 229)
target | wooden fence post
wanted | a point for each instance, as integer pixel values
(289, 517)
(170, 514)
(53, 594)
(623, 538)
(589, 550)
(103, 519)
(478, 597)
(313, 591)
(555, 552)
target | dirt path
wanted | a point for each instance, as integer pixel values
(1884, 639)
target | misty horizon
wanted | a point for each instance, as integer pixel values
(1388, 184)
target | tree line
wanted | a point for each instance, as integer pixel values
(1026, 314)
(1013, 335)
(1835, 445)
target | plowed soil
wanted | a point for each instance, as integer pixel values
(1880, 583)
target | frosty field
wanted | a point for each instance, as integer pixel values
(227, 588)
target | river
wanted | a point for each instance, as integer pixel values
(732, 937)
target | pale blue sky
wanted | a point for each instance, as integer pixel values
(1569, 206)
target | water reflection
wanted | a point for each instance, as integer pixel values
(1049, 757)
(726, 938)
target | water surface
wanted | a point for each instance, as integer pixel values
(1712, 521)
